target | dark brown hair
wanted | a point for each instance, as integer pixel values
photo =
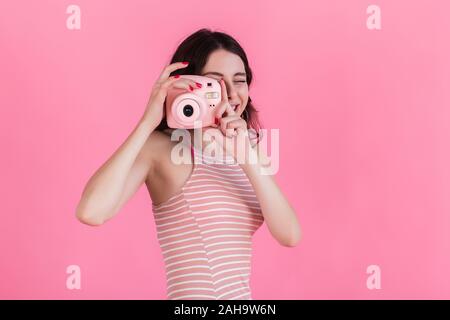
(196, 49)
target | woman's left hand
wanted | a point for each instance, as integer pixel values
(232, 122)
(231, 125)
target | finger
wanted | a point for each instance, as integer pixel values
(188, 84)
(224, 98)
(224, 108)
(171, 68)
(220, 110)
(230, 110)
(224, 92)
(236, 126)
(180, 83)
(229, 132)
(161, 88)
(224, 122)
(173, 81)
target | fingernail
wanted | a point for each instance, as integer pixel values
(199, 85)
(177, 76)
(185, 62)
(191, 88)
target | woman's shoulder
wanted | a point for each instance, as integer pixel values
(158, 141)
(160, 136)
(159, 147)
(156, 149)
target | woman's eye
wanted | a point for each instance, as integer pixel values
(243, 81)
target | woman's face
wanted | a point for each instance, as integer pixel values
(229, 66)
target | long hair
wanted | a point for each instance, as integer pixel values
(196, 49)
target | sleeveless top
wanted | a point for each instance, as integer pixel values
(205, 231)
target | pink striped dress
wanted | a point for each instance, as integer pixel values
(205, 232)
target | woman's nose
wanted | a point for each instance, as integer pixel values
(231, 92)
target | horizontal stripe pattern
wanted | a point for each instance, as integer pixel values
(205, 232)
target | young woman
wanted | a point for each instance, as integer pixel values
(206, 212)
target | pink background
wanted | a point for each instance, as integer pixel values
(364, 123)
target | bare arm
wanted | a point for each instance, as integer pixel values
(126, 170)
(279, 215)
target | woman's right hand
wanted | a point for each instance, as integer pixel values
(155, 107)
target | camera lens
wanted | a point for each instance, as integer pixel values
(188, 110)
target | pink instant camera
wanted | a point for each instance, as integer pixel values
(186, 109)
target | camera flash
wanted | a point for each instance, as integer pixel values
(211, 95)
